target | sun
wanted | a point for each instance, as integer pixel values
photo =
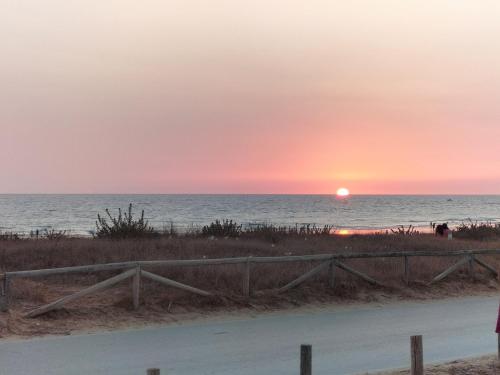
(342, 192)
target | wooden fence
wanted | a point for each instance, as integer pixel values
(328, 262)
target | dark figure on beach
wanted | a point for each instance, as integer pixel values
(442, 229)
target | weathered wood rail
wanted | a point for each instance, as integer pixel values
(328, 262)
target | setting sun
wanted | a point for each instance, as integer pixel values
(342, 192)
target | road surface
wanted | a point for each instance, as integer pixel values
(347, 341)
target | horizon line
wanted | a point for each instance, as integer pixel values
(264, 194)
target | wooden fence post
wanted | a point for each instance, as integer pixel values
(305, 360)
(406, 261)
(153, 371)
(417, 356)
(246, 279)
(136, 287)
(4, 293)
(331, 274)
(471, 266)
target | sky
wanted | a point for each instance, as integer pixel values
(298, 97)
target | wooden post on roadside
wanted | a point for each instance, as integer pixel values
(246, 278)
(417, 356)
(305, 360)
(153, 371)
(498, 346)
(136, 287)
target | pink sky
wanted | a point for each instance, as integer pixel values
(123, 96)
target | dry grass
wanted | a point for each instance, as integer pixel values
(30, 254)
(34, 254)
(114, 305)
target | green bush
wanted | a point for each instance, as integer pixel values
(224, 228)
(123, 226)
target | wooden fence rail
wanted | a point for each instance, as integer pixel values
(328, 262)
(242, 260)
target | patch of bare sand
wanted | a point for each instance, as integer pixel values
(485, 365)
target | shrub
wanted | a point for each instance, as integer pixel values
(313, 230)
(123, 226)
(53, 234)
(268, 232)
(275, 233)
(477, 231)
(170, 230)
(10, 236)
(403, 231)
(224, 228)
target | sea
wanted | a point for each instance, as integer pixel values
(77, 214)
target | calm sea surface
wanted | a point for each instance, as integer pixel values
(77, 213)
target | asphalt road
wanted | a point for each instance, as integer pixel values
(348, 341)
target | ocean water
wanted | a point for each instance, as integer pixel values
(77, 213)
